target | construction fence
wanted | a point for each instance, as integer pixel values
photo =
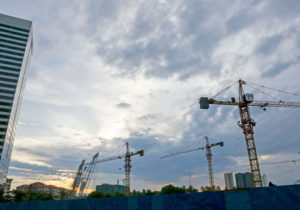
(279, 197)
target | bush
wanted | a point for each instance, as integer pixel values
(170, 189)
(97, 194)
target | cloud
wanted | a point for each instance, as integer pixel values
(123, 105)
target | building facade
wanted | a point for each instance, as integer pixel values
(244, 180)
(229, 181)
(15, 52)
(111, 188)
(39, 187)
(264, 180)
(7, 185)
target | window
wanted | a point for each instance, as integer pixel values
(13, 27)
(13, 32)
(8, 80)
(12, 53)
(5, 103)
(4, 110)
(9, 68)
(13, 37)
(9, 74)
(11, 47)
(10, 63)
(12, 58)
(12, 42)
(7, 97)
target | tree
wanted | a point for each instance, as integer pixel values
(97, 194)
(63, 195)
(20, 195)
(170, 189)
(191, 189)
(208, 188)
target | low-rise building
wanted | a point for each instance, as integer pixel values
(40, 187)
(264, 180)
(7, 185)
(111, 188)
(229, 181)
(244, 180)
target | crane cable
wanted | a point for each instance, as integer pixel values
(225, 89)
(263, 92)
(282, 91)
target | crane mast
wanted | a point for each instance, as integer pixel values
(127, 170)
(209, 161)
(247, 125)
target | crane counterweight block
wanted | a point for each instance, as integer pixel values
(141, 152)
(204, 103)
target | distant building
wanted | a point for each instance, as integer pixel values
(111, 188)
(265, 180)
(229, 181)
(15, 52)
(297, 182)
(244, 180)
(7, 185)
(40, 187)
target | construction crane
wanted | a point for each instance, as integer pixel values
(247, 123)
(77, 180)
(89, 170)
(208, 156)
(86, 170)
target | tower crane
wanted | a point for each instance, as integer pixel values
(86, 170)
(208, 156)
(247, 123)
(77, 180)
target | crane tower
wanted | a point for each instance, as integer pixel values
(86, 170)
(247, 123)
(208, 156)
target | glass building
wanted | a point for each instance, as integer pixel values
(229, 181)
(244, 180)
(15, 52)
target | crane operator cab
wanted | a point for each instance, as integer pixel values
(248, 98)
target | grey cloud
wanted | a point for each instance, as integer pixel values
(277, 69)
(123, 105)
(269, 45)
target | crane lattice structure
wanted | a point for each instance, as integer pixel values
(86, 170)
(247, 123)
(208, 156)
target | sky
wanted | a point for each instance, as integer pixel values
(108, 72)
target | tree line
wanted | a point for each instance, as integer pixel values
(20, 196)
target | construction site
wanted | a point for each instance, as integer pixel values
(149, 104)
(86, 170)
